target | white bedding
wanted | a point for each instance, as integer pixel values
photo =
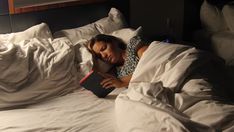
(80, 111)
(172, 89)
(35, 69)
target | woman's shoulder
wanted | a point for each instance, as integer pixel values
(137, 42)
(135, 39)
(134, 42)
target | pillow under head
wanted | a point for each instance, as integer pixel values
(127, 33)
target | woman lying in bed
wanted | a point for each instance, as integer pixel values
(123, 56)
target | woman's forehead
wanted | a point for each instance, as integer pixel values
(98, 45)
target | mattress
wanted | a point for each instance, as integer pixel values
(80, 111)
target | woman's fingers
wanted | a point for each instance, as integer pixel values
(107, 82)
(111, 85)
(111, 82)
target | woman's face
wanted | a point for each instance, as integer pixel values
(108, 52)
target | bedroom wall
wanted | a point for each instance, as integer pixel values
(158, 17)
(176, 19)
(57, 19)
(5, 25)
(191, 18)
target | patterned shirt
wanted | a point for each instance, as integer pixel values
(131, 59)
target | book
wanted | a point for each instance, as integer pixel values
(92, 82)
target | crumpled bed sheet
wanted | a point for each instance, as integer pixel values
(36, 69)
(175, 88)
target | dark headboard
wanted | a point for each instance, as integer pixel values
(62, 18)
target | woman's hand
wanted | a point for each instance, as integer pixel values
(111, 81)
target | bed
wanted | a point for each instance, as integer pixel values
(40, 88)
(79, 111)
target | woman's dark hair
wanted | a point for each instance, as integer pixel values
(107, 39)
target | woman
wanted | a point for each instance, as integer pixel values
(123, 56)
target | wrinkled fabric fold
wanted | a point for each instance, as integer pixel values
(37, 69)
(172, 89)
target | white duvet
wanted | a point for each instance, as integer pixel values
(37, 68)
(172, 89)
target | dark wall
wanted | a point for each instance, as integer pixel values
(191, 18)
(176, 19)
(3, 7)
(158, 17)
(5, 25)
(60, 18)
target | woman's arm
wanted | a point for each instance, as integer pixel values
(126, 80)
(141, 50)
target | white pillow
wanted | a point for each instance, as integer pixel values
(228, 12)
(212, 18)
(41, 31)
(77, 34)
(84, 59)
(127, 33)
(112, 22)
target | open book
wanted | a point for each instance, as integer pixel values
(92, 82)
